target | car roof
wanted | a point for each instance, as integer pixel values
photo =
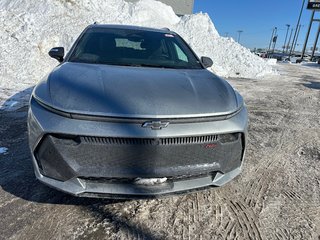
(129, 27)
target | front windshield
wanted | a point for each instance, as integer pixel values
(129, 47)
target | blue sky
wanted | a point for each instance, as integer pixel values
(257, 19)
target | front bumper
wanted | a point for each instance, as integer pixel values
(98, 168)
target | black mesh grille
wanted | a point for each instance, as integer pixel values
(117, 141)
(63, 157)
(150, 141)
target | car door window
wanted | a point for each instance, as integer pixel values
(180, 54)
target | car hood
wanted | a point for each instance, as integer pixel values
(136, 92)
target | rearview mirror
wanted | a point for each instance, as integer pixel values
(207, 62)
(57, 53)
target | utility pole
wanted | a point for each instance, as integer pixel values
(285, 41)
(295, 37)
(288, 45)
(316, 42)
(273, 30)
(295, 42)
(275, 38)
(307, 38)
(239, 32)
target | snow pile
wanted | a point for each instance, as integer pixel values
(272, 61)
(29, 28)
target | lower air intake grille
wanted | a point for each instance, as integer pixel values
(63, 157)
(150, 141)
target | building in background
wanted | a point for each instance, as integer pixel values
(180, 7)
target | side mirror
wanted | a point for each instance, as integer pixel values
(57, 53)
(206, 61)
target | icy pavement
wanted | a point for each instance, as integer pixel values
(10, 102)
(311, 64)
(277, 196)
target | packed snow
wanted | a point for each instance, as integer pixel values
(150, 181)
(311, 64)
(272, 61)
(30, 28)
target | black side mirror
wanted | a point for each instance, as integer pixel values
(206, 61)
(57, 53)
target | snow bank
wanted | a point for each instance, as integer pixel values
(272, 61)
(29, 28)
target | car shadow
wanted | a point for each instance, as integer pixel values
(17, 177)
(312, 82)
(17, 101)
(312, 85)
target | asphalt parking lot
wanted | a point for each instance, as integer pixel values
(276, 197)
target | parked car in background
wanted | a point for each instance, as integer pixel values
(315, 59)
(296, 58)
(278, 56)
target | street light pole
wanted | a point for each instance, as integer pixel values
(295, 37)
(296, 41)
(273, 30)
(288, 45)
(315, 43)
(307, 37)
(285, 41)
(275, 38)
(240, 31)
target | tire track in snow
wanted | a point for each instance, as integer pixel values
(245, 219)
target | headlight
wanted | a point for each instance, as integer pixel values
(240, 102)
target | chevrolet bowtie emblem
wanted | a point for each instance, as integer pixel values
(155, 125)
